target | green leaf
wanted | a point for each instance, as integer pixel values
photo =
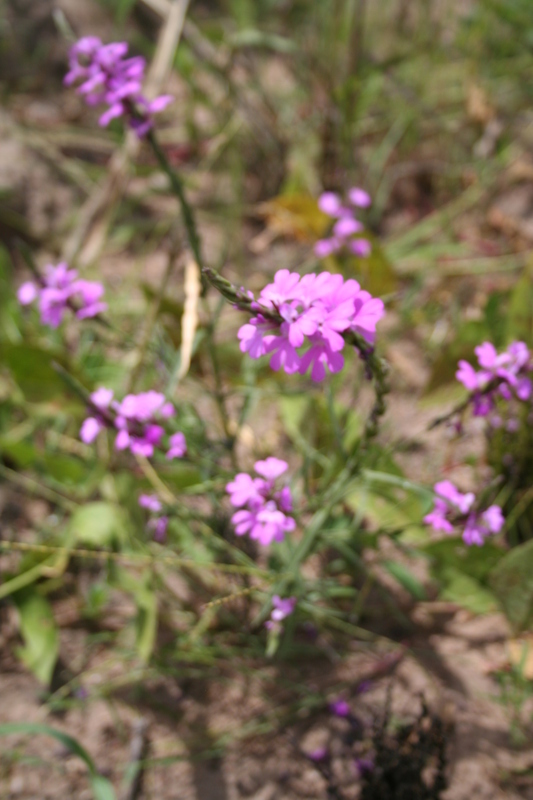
(98, 524)
(31, 368)
(467, 592)
(405, 578)
(102, 788)
(512, 582)
(251, 37)
(38, 629)
(146, 601)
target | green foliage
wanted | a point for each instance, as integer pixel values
(101, 787)
(512, 582)
(98, 524)
(39, 631)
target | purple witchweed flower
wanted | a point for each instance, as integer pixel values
(59, 290)
(320, 754)
(107, 76)
(178, 446)
(159, 523)
(452, 508)
(358, 197)
(316, 311)
(137, 422)
(151, 502)
(364, 766)
(282, 608)
(340, 708)
(266, 513)
(27, 293)
(504, 375)
(346, 227)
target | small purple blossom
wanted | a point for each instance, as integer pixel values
(59, 290)
(158, 523)
(137, 420)
(453, 509)
(264, 512)
(281, 608)
(316, 311)
(347, 226)
(503, 375)
(320, 754)
(106, 76)
(340, 708)
(364, 766)
(178, 446)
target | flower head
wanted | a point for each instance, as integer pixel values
(106, 76)
(453, 509)
(60, 290)
(264, 512)
(346, 227)
(315, 312)
(502, 375)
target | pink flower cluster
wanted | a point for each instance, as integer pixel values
(346, 228)
(108, 77)
(137, 421)
(316, 310)
(452, 508)
(61, 289)
(281, 608)
(159, 522)
(264, 513)
(502, 374)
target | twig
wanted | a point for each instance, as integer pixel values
(138, 751)
(189, 320)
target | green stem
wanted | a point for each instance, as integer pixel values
(179, 191)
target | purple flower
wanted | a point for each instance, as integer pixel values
(346, 227)
(244, 489)
(108, 77)
(137, 422)
(316, 311)
(178, 446)
(271, 468)
(504, 375)
(90, 429)
(452, 508)
(102, 397)
(88, 294)
(159, 523)
(282, 607)
(358, 197)
(364, 766)
(320, 754)
(340, 708)
(360, 247)
(151, 502)
(266, 513)
(27, 293)
(326, 247)
(159, 527)
(60, 290)
(330, 203)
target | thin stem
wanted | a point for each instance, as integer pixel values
(177, 187)
(194, 242)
